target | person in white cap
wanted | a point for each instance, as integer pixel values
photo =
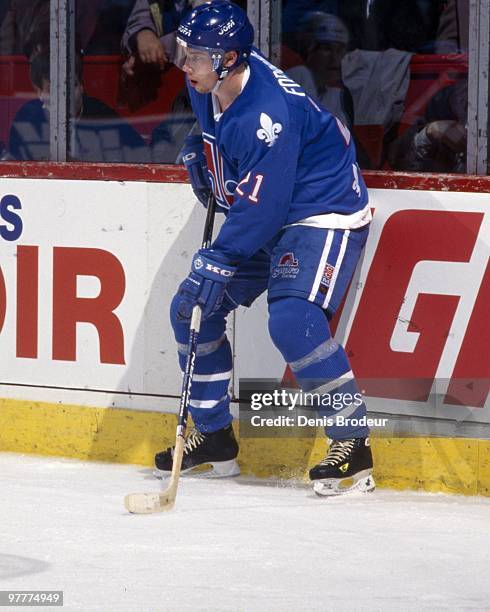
(324, 40)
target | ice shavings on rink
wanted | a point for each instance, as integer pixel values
(235, 545)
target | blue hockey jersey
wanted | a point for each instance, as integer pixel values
(276, 159)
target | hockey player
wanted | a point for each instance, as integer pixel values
(284, 172)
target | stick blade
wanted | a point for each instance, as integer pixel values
(149, 503)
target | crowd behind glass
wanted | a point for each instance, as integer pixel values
(395, 73)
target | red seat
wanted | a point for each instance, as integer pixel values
(428, 75)
(15, 89)
(101, 80)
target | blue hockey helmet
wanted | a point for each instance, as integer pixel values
(217, 27)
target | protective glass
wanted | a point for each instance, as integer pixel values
(419, 123)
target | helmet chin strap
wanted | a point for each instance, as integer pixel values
(221, 77)
(222, 74)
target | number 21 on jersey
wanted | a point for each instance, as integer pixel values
(255, 185)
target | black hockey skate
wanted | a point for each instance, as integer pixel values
(219, 449)
(346, 468)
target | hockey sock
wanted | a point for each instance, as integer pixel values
(210, 402)
(300, 331)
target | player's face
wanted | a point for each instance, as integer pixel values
(199, 68)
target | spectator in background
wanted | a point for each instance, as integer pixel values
(407, 25)
(293, 18)
(149, 45)
(100, 25)
(453, 29)
(99, 133)
(438, 142)
(25, 26)
(374, 25)
(323, 42)
(148, 39)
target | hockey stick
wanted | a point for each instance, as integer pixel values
(148, 503)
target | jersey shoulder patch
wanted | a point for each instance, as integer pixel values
(268, 130)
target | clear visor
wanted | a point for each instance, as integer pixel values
(197, 60)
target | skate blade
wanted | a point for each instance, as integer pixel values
(219, 469)
(362, 482)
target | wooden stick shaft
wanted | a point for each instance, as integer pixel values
(146, 503)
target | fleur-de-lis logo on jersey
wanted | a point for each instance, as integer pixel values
(269, 130)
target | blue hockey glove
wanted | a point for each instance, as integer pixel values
(205, 284)
(197, 167)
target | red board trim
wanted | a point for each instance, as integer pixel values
(151, 173)
(156, 173)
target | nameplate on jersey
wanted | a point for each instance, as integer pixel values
(285, 82)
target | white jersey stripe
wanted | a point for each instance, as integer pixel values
(206, 403)
(337, 220)
(211, 377)
(337, 266)
(321, 266)
(330, 386)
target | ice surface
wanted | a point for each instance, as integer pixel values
(236, 545)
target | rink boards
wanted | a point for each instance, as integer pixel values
(87, 358)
